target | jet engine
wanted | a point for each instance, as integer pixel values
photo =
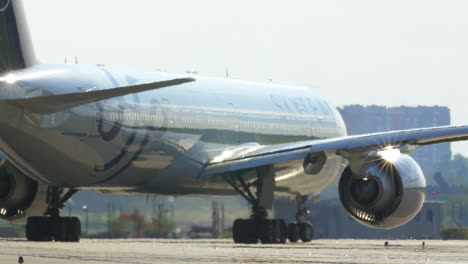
(20, 196)
(386, 191)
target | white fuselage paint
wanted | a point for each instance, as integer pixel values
(159, 141)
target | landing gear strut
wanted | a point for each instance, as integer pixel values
(258, 227)
(53, 226)
(301, 229)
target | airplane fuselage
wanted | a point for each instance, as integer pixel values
(159, 141)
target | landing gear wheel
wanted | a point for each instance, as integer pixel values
(238, 231)
(76, 223)
(249, 231)
(60, 229)
(283, 231)
(51, 225)
(67, 229)
(258, 227)
(267, 232)
(293, 232)
(244, 231)
(39, 229)
(273, 231)
(306, 232)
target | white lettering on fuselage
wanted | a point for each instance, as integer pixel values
(302, 105)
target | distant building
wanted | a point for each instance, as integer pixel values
(330, 220)
(369, 119)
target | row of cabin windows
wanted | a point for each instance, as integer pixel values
(132, 116)
(220, 123)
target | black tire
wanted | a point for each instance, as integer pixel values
(267, 232)
(282, 230)
(293, 232)
(39, 229)
(76, 229)
(251, 229)
(67, 229)
(60, 229)
(244, 231)
(73, 226)
(276, 236)
(238, 231)
(306, 232)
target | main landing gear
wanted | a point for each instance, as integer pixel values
(258, 227)
(53, 226)
(301, 229)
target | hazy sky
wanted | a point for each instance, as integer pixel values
(356, 52)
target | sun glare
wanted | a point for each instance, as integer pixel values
(390, 154)
(9, 78)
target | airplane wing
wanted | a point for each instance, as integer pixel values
(245, 157)
(61, 102)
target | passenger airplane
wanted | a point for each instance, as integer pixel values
(66, 128)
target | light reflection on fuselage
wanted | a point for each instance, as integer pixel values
(191, 123)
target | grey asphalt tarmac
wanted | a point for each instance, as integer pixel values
(225, 251)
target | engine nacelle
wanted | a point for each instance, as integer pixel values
(385, 193)
(20, 196)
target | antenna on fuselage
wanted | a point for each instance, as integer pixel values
(191, 71)
(76, 60)
(227, 72)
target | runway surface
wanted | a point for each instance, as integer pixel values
(225, 251)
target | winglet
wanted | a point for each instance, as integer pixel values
(57, 103)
